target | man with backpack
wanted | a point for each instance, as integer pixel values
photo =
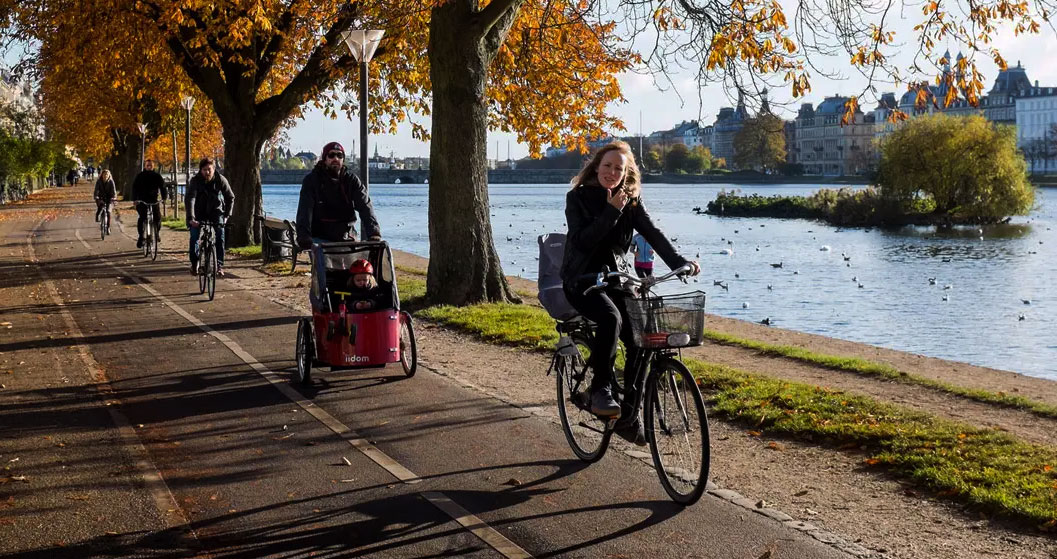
(209, 198)
(331, 197)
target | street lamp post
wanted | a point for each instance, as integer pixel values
(187, 102)
(142, 143)
(362, 44)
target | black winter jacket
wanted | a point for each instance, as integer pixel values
(148, 187)
(328, 206)
(209, 201)
(105, 190)
(600, 235)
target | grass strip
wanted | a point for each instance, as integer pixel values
(988, 470)
(251, 251)
(865, 367)
(177, 224)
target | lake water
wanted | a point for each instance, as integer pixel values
(989, 274)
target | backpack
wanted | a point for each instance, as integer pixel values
(551, 294)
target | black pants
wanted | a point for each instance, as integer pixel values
(606, 308)
(142, 210)
(99, 205)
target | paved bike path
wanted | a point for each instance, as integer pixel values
(215, 429)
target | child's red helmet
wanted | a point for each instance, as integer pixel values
(361, 266)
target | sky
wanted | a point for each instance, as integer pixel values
(664, 109)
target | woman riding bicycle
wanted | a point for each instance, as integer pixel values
(603, 211)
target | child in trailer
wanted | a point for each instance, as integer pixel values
(365, 294)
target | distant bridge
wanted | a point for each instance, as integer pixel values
(420, 176)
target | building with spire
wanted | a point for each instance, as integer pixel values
(728, 123)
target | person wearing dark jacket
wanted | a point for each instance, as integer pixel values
(148, 187)
(604, 210)
(105, 192)
(209, 198)
(331, 197)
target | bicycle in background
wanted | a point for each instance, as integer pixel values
(150, 232)
(207, 258)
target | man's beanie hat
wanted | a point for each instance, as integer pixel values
(332, 146)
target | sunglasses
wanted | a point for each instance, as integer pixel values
(335, 155)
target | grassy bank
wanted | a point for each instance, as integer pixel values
(870, 368)
(843, 207)
(988, 470)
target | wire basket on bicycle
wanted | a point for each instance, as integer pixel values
(667, 321)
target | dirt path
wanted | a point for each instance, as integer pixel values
(827, 488)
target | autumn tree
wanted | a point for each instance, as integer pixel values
(699, 160)
(967, 168)
(544, 70)
(760, 144)
(677, 159)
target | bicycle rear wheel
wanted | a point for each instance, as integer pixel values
(408, 349)
(586, 433)
(211, 272)
(304, 352)
(677, 430)
(104, 220)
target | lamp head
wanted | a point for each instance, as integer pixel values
(362, 43)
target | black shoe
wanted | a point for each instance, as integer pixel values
(631, 430)
(194, 268)
(139, 243)
(602, 403)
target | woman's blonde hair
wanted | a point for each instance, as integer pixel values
(104, 174)
(631, 182)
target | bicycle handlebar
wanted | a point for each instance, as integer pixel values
(147, 203)
(648, 282)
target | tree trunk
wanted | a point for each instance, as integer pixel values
(464, 267)
(124, 162)
(242, 160)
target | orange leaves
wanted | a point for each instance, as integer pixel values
(851, 106)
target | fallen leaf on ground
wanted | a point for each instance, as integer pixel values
(515, 482)
(800, 493)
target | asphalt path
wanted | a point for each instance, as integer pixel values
(222, 456)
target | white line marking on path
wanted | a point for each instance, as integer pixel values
(472, 523)
(148, 472)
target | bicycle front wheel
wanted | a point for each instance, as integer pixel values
(154, 243)
(586, 432)
(211, 273)
(677, 430)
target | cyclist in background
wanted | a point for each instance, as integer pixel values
(148, 187)
(105, 193)
(209, 198)
(603, 210)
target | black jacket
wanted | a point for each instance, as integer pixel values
(600, 235)
(105, 190)
(209, 201)
(148, 187)
(328, 206)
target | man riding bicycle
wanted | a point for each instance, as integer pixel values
(147, 188)
(209, 198)
(331, 197)
(603, 210)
